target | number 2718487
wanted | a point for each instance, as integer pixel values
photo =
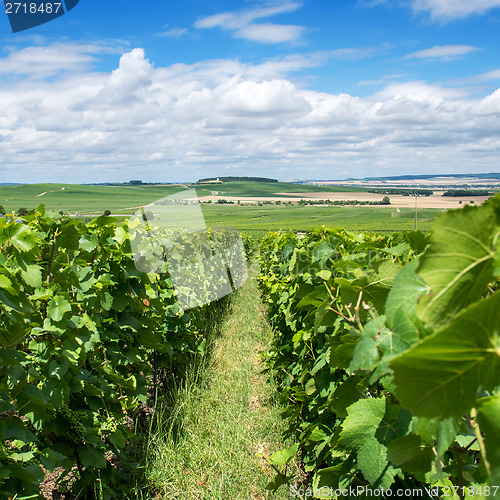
(450, 491)
(33, 8)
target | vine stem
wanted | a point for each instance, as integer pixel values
(477, 431)
(340, 314)
(49, 270)
(72, 287)
(356, 311)
(334, 300)
(441, 463)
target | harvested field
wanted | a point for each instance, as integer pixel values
(434, 201)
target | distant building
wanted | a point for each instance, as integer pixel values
(136, 183)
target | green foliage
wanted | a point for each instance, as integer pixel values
(464, 364)
(403, 191)
(465, 193)
(387, 351)
(461, 261)
(81, 330)
(489, 411)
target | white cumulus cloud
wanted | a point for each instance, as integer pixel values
(186, 121)
(43, 61)
(439, 10)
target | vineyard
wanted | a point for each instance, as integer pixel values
(386, 352)
(87, 340)
(388, 356)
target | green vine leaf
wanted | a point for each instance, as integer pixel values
(57, 307)
(23, 237)
(459, 263)
(372, 461)
(443, 375)
(401, 305)
(6, 284)
(362, 421)
(411, 454)
(32, 275)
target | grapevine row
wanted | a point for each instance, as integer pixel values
(387, 354)
(85, 340)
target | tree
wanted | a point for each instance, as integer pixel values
(386, 200)
(22, 211)
(107, 212)
(2, 209)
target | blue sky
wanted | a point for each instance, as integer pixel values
(174, 91)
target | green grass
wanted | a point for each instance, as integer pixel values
(268, 189)
(224, 425)
(82, 198)
(258, 220)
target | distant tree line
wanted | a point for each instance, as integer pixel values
(465, 193)
(385, 201)
(404, 192)
(238, 179)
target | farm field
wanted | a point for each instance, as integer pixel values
(430, 181)
(249, 216)
(258, 220)
(268, 189)
(436, 200)
(82, 198)
(95, 198)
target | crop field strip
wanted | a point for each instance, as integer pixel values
(304, 218)
(82, 198)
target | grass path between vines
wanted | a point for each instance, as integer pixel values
(225, 419)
